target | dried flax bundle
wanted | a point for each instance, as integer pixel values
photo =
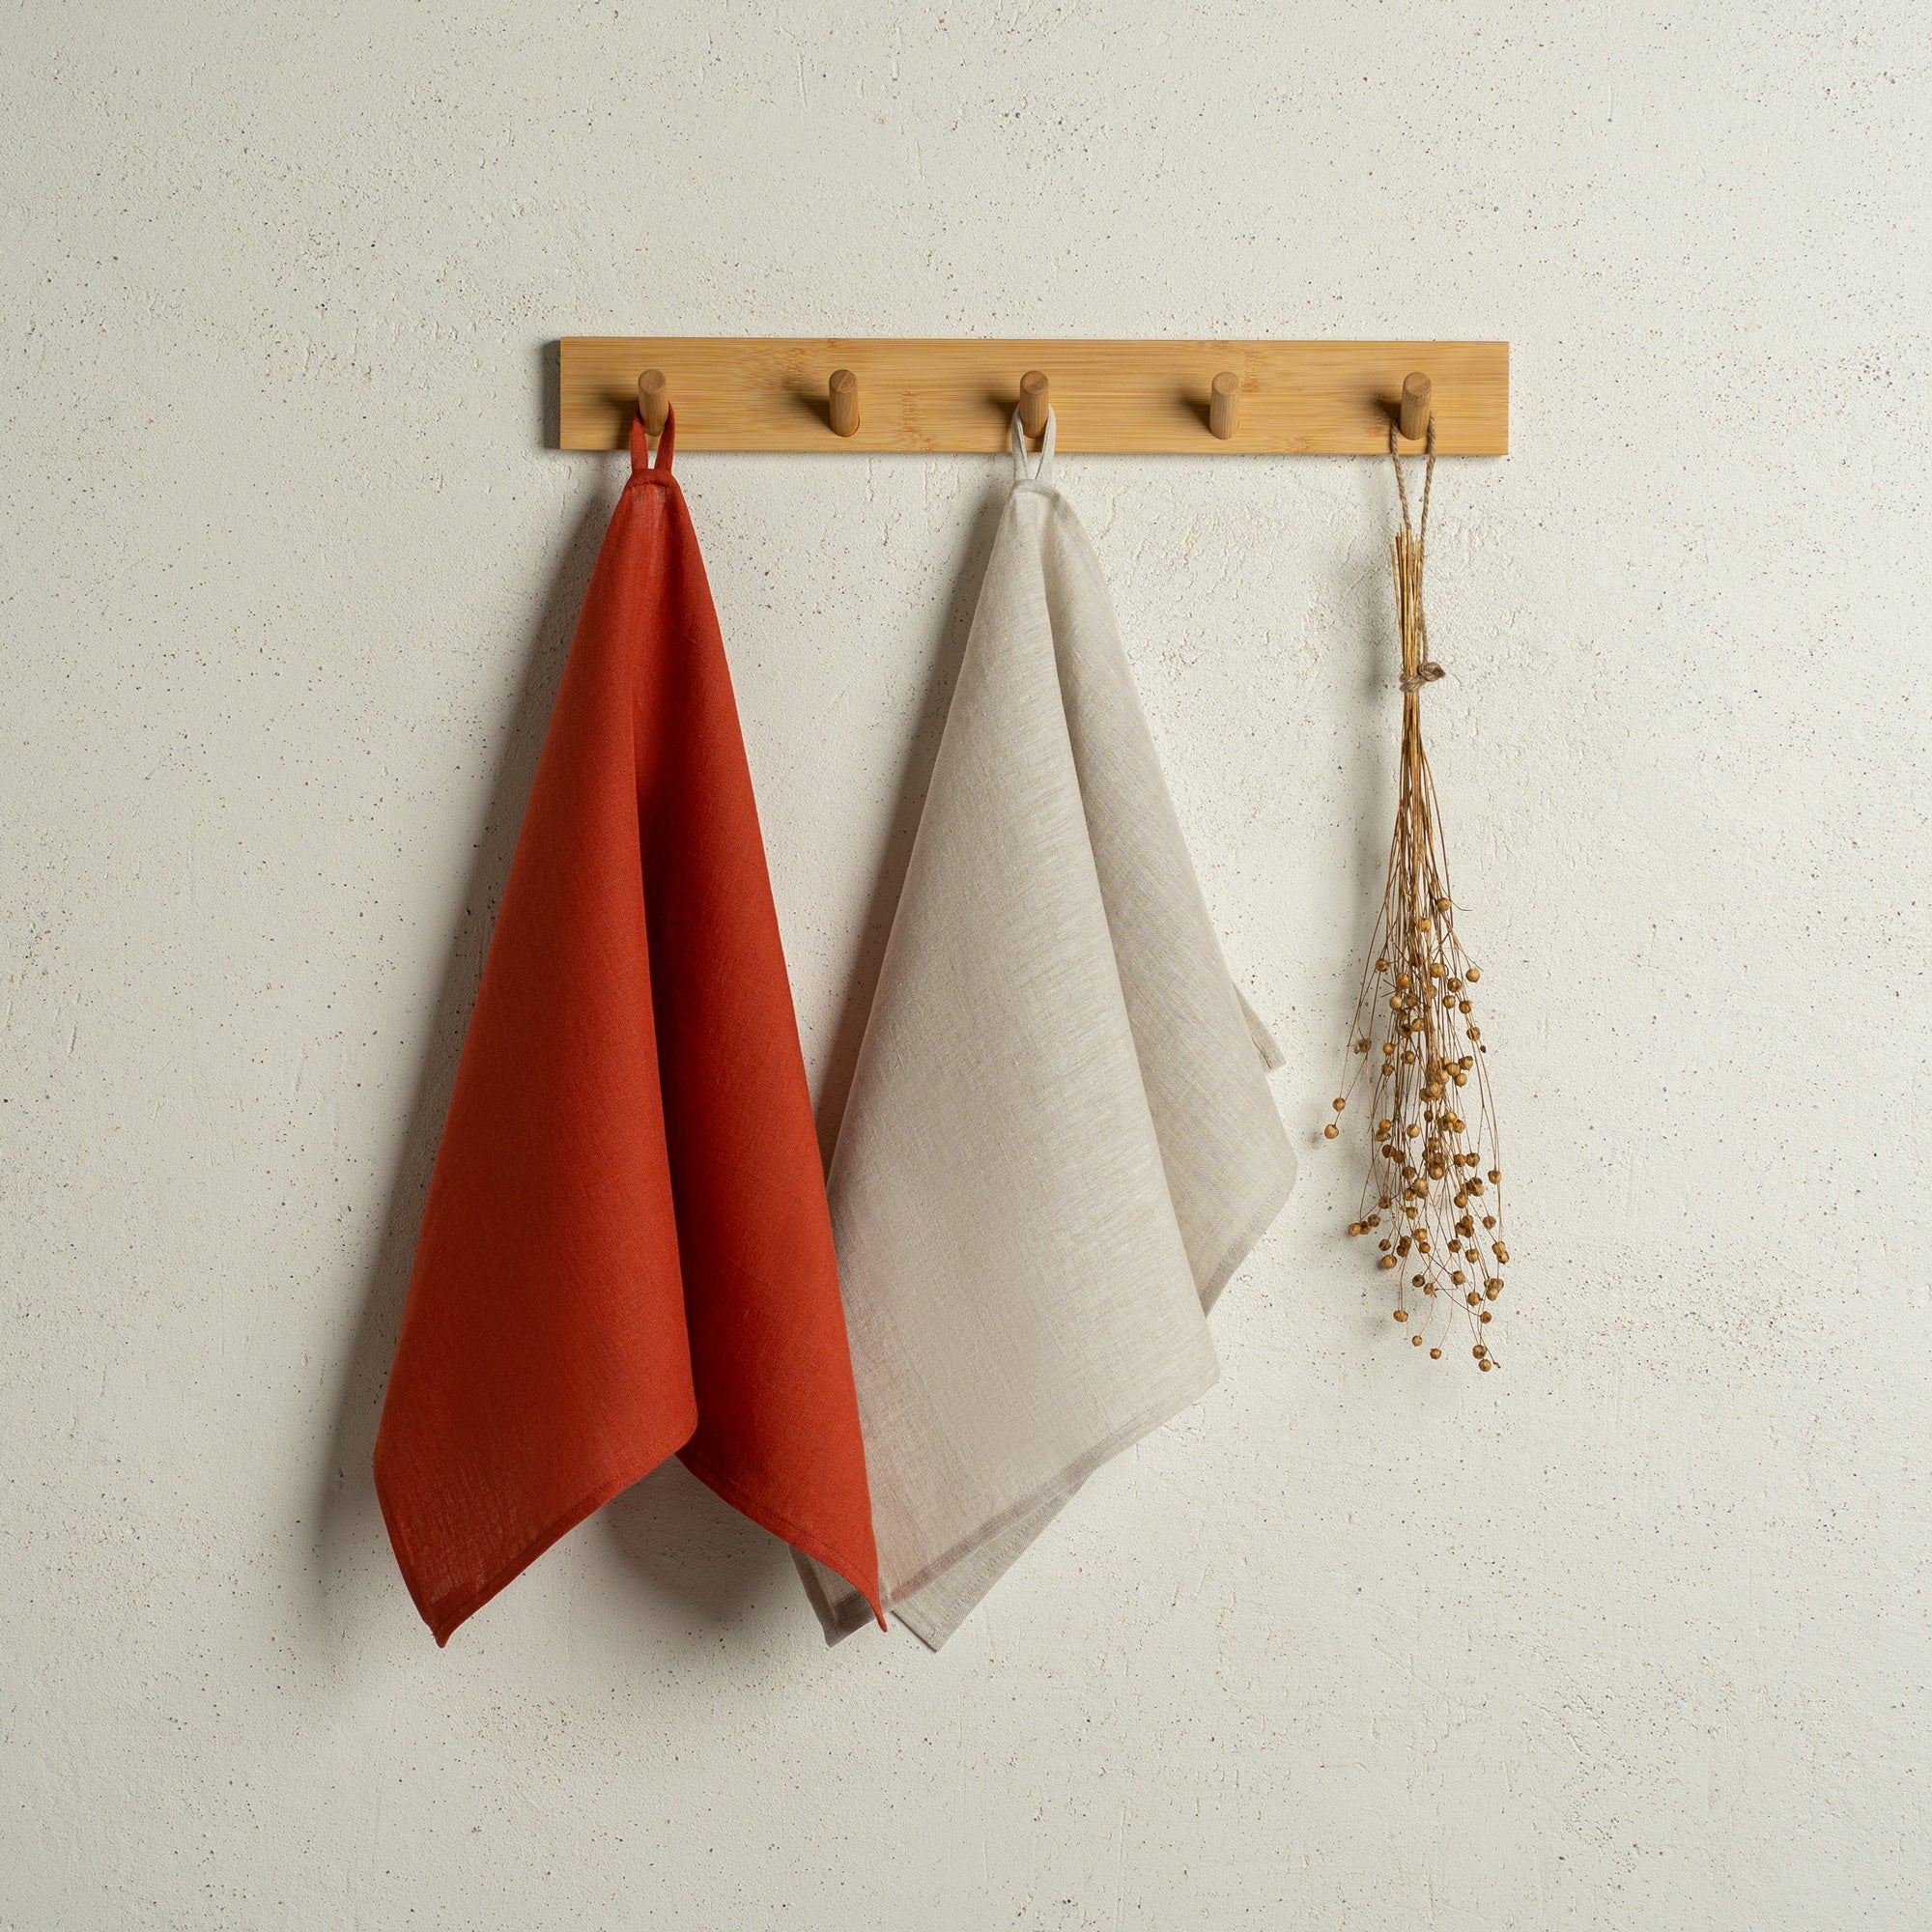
(1433, 1197)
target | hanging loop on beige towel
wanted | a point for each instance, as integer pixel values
(1427, 670)
(1025, 470)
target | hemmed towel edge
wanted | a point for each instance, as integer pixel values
(928, 1631)
(443, 1625)
(1061, 1490)
(785, 1532)
(839, 1623)
(1245, 1242)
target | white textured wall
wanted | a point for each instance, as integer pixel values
(1633, 1634)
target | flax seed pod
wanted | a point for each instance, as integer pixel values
(1428, 1093)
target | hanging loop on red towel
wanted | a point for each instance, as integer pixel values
(640, 449)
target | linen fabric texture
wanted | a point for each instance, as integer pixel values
(1058, 1142)
(625, 1250)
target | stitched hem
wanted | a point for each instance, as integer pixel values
(787, 1531)
(838, 1618)
(446, 1613)
(1062, 1484)
(1259, 1223)
(1144, 1424)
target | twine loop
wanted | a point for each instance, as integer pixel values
(1428, 473)
(1426, 672)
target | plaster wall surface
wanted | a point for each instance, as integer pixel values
(1633, 1634)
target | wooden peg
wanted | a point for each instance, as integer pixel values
(653, 402)
(1032, 402)
(1414, 422)
(845, 392)
(1224, 405)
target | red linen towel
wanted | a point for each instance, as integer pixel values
(626, 1250)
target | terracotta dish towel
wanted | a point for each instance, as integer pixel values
(1058, 1142)
(625, 1251)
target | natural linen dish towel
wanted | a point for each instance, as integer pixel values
(625, 1250)
(1058, 1142)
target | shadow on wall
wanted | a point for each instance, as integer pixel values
(697, 1558)
(693, 1553)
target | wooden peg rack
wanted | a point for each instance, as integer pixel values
(1153, 398)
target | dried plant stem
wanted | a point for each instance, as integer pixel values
(1432, 1196)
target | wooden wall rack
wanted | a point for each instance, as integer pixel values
(1157, 398)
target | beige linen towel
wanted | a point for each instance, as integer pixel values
(1058, 1142)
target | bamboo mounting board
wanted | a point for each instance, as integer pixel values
(1298, 398)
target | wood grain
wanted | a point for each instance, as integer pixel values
(1296, 398)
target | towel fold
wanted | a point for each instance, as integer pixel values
(1058, 1142)
(625, 1250)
